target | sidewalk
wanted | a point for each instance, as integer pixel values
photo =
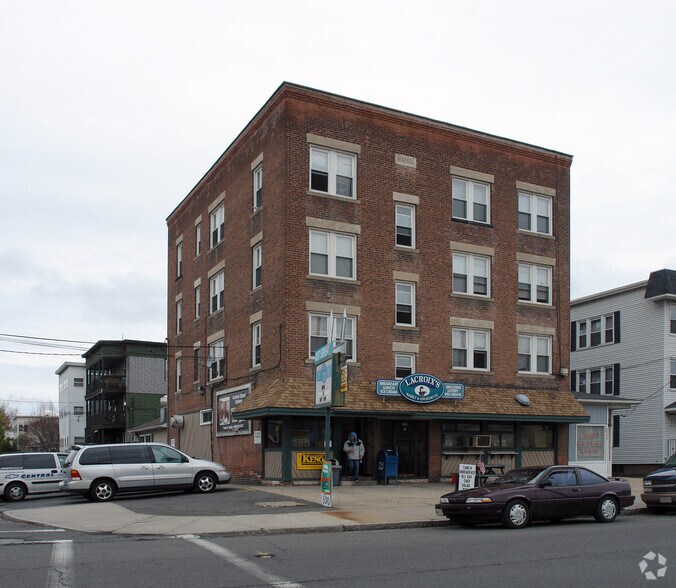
(365, 505)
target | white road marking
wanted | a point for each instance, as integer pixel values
(33, 531)
(61, 568)
(240, 562)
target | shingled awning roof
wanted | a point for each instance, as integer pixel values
(287, 396)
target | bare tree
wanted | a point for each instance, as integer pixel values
(7, 413)
(43, 430)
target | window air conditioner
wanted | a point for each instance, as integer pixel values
(477, 441)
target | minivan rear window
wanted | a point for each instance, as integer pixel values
(11, 461)
(95, 455)
(39, 461)
(129, 454)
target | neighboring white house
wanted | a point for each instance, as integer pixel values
(624, 341)
(72, 416)
(19, 424)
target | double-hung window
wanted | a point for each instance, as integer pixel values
(672, 376)
(179, 316)
(198, 239)
(256, 344)
(470, 349)
(332, 254)
(404, 365)
(672, 323)
(535, 283)
(602, 380)
(596, 331)
(535, 354)
(342, 329)
(179, 374)
(405, 304)
(332, 172)
(471, 274)
(179, 259)
(471, 200)
(216, 359)
(198, 304)
(217, 291)
(258, 187)
(257, 254)
(196, 364)
(217, 224)
(405, 225)
(535, 213)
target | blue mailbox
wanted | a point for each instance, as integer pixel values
(387, 465)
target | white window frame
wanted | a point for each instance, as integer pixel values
(404, 361)
(469, 338)
(535, 274)
(256, 332)
(216, 292)
(401, 289)
(584, 380)
(198, 239)
(257, 263)
(318, 329)
(179, 316)
(400, 215)
(198, 302)
(533, 353)
(179, 259)
(529, 208)
(179, 374)
(331, 253)
(206, 416)
(332, 160)
(606, 324)
(470, 262)
(216, 360)
(217, 225)
(257, 187)
(469, 200)
(672, 321)
(672, 375)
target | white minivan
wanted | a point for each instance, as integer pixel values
(30, 473)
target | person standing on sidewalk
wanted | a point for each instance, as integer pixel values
(354, 448)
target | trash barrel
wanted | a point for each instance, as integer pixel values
(387, 465)
(335, 471)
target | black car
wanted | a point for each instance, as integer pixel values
(659, 488)
(538, 493)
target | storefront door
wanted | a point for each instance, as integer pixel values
(409, 438)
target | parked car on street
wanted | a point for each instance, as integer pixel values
(538, 493)
(99, 472)
(30, 473)
(659, 488)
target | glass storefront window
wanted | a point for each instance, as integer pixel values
(502, 435)
(273, 434)
(307, 433)
(455, 434)
(540, 436)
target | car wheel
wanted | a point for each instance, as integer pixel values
(606, 511)
(205, 483)
(516, 515)
(102, 490)
(15, 492)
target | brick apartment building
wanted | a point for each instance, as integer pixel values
(447, 249)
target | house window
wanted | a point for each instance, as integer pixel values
(78, 382)
(471, 200)
(405, 313)
(145, 438)
(216, 359)
(258, 187)
(535, 354)
(332, 254)
(217, 223)
(603, 380)
(582, 332)
(217, 291)
(319, 333)
(257, 254)
(206, 416)
(535, 213)
(672, 324)
(609, 381)
(595, 382)
(672, 377)
(470, 349)
(198, 305)
(198, 239)
(471, 274)
(256, 344)
(597, 331)
(179, 260)
(582, 378)
(179, 316)
(404, 365)
(535, 283)
(196, 364)
(332, 172)
(178, 374)
(405, 225)
(78, 410)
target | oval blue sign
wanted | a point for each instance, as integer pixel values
(421, 388)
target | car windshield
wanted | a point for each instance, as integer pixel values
(671, 462)
(521, 476)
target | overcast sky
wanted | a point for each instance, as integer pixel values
(110, 112)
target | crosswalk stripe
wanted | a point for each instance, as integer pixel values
(60, 568)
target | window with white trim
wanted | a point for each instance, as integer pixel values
(217, 291)
(78, 382)
(672, 376)
(404, 365)
(535, 354)
(217, 225)
(319, 333)
(198, 239)
(471, 200)
(672, 323)
(535, 213)
(405, 304)
(471, 349)
(206, 416)
(179, 259)
(198, 304)
(146, 438)
(601, 380)
(332, 172)
(179, 316)
(535, 283)
(471, 274)
(405, 225)
(216, 360)
(596, 331)
(332, 254)
(179, 374)
(256, 344)
(257, 256)
(258, 187)
(78, 410)
(196, 364)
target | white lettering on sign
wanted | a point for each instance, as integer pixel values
(406, 160)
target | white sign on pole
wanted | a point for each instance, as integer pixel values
(466, 476)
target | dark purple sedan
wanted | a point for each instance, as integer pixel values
(538, 494)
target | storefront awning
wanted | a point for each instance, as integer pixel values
(288, 396)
